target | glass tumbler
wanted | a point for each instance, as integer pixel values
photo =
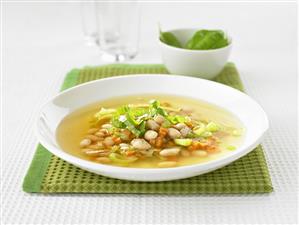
(89, 25)
(118, 29)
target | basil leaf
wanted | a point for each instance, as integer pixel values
(155, 103)
(155, 108)
(131, 118)
(116, 123)
(141, 128)
(132, 128)
(170, 39)
(207, 39)
(176, 119)
(162, 112)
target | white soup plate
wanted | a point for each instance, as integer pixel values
(241, 105)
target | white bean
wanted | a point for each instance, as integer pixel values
(200, 153)
(92, 152)
(104, 131)
(100, 144)
(92, 130)
(170, 151)
(167, 164)
(85, 142)
(173, 133)
(147, 153)
(92, 137)
(100, 134)
(140, 144)
(106, 126)
(124, 146)
(185, 131)
(151, 124)
(180, 126)
(150, 134)
(108, 141)
(159, 119)
(103, 160)
(95, 147)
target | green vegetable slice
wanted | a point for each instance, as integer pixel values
(142, 128)
(206, 134)
(200, 129)
(183, 141)
(231, 147)
(212, 127)
(177, 119)
(103, 114)
(104, 111)
(192, 135)
(130, 118)
(117, 158)
(132, 128)
(154, 109)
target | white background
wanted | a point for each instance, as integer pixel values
(42, 41)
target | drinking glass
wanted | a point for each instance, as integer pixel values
(89, 25)
(118, 29)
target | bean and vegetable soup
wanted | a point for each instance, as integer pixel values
(150, 132)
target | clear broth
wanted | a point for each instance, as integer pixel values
(74, 126)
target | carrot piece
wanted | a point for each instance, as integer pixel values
(190, 148)
(202, 145)
(116, 140)
(130, 153)
(193, 146)
(197, 145)
(152, 141)
(212, 149)
(159, 142)
(163, 131)
(211, 140)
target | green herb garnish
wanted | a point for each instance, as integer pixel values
(201, 40)
(134, 118)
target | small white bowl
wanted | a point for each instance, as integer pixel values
(241, 105)
(200, 63)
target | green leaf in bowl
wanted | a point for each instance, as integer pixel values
(170, 39)
(207, 39)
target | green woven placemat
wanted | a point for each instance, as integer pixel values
(50, 174)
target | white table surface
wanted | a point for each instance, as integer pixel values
(42, 41)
